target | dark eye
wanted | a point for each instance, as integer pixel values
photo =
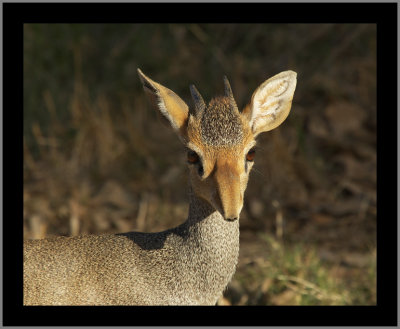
(250, 155)
(192, 157)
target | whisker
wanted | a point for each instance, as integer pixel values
(260, 173)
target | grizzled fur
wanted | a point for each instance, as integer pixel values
(174, 267)
(221, 124)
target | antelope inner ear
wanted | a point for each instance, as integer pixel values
(271, 102)
(170, 105)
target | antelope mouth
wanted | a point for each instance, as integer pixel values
(226, 218)
(231, 219)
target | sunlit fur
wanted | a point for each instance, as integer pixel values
(222, 138)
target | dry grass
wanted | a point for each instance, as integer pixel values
(301, 274)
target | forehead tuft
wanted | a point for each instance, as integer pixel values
(221, 126)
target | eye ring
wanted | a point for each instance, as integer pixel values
(251, 155)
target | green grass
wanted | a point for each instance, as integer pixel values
(296, 275)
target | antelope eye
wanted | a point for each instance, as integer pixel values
(250, 155)
(192, 157)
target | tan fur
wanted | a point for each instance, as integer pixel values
(192, 263)
(165, 98)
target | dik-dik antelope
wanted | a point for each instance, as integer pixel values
(192, 263)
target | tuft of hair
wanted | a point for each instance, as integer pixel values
(221, 124)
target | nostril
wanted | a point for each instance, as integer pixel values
(232, 219)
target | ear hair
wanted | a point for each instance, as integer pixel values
(271, 102)
(171, 106)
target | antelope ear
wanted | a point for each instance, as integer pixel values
(171, 106)
(271, 102)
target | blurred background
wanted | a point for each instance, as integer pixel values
(97, 159)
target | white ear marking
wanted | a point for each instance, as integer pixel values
(271, 102)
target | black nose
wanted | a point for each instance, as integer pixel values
(232, 219)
